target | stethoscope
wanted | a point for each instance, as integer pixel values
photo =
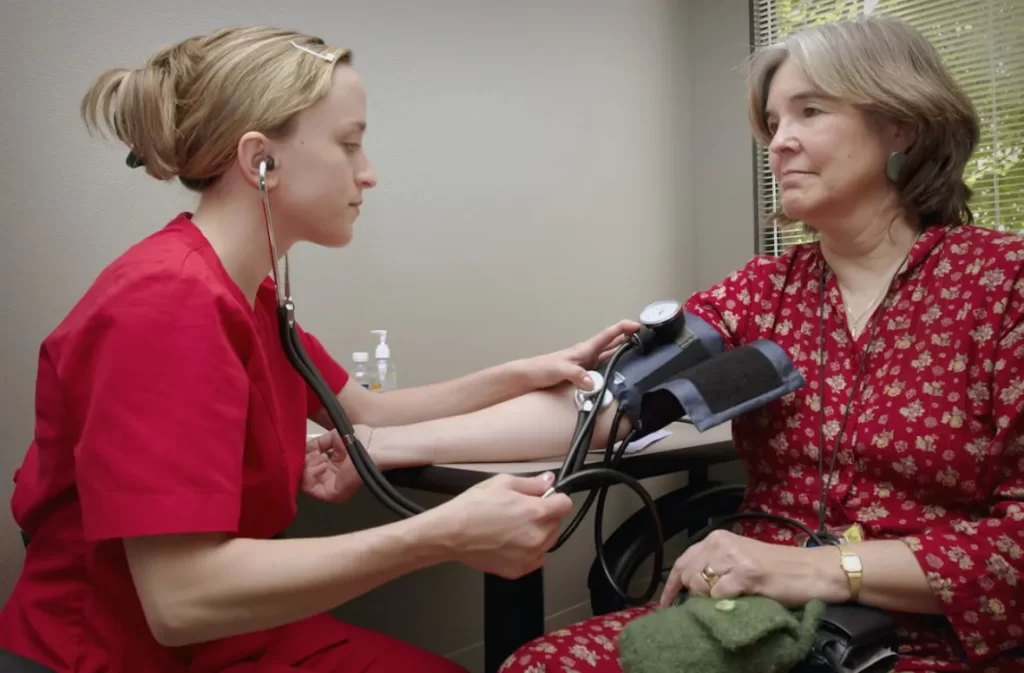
(661, 322)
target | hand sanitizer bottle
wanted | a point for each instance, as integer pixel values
(360, 370)
(384, 378)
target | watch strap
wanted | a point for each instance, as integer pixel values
(851, 564)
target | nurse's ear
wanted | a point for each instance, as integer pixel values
(253, 149)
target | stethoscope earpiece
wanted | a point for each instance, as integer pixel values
(283, 293)
(265, 166)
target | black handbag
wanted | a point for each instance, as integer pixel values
(852, 638)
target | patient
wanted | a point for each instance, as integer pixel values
(907, 322)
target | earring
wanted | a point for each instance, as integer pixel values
(894, 165)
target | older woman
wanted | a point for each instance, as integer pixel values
(907, 323)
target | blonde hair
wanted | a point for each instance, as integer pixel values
(888, 69)
(183, 114)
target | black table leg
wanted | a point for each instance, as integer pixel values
(699, 475)
(513, 615)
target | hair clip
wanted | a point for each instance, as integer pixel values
(327, 57)
(134, 161)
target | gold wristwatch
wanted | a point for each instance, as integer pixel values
(853, 568)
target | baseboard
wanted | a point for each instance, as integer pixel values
(472, 657)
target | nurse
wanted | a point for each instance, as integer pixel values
(167, 453)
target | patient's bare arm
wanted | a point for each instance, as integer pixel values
(537, 425)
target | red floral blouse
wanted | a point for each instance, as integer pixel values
(933, 449)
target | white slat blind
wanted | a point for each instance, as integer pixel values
(982, 43)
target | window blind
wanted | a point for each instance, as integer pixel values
(981, 42)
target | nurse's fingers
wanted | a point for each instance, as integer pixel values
(315, 459)
(327, 442)
(316, 471)
(315, 444)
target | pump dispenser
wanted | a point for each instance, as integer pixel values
(384, 378)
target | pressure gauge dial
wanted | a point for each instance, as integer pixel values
(660, 313)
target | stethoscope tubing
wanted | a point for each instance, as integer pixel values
(572, 477)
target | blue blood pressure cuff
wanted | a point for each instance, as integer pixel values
(637, 373)
(719, 389)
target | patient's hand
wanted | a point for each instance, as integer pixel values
(742, 566)
(571, 364)
(329, 474)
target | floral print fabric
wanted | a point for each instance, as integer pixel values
(587, 647)
(932, 453)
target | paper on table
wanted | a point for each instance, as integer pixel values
(639, 445)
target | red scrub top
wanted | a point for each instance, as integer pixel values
(164, 404)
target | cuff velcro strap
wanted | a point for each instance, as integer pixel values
(724, 387)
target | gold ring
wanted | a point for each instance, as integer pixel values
(709, 576)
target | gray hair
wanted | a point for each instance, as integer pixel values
(888, 69)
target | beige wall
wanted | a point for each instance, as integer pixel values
(721, 168)
(526, 151)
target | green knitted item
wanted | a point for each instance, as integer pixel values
(746, 634)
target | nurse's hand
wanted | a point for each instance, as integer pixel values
(502, 526)
(329, 474)
(571, 364)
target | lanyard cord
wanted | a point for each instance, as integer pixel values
(825, 486)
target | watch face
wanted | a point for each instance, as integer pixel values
(660, 312)
(851, 563)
